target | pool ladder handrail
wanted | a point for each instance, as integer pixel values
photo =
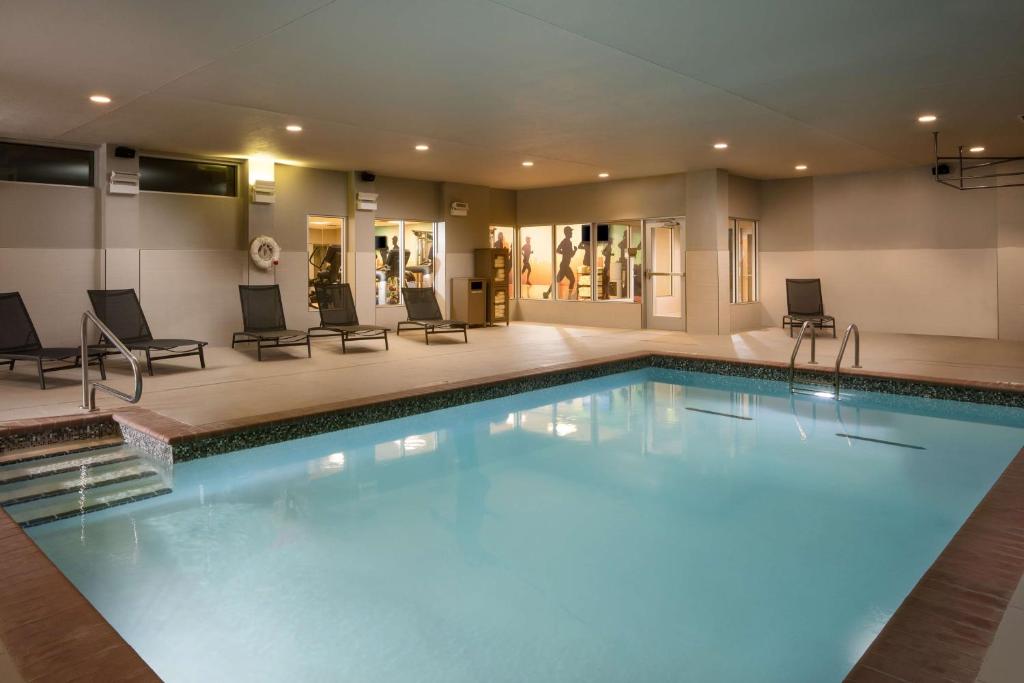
(89, 386)
(852, 327)
(796, 350)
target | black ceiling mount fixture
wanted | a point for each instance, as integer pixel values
(963, 179)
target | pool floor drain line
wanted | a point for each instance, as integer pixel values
(882, 441)
(715, 412)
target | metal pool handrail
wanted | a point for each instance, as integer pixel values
(796, 350)
(842, 349)
(89, 386)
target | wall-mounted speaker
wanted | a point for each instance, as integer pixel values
(367, 177)
(124, 152)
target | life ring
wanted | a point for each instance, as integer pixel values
(264, 252)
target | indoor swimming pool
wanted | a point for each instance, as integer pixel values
(654, 525)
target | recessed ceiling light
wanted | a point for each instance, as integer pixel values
(422, 148)
(602, 174)
(293, 128)
(927, 118)
(721, 145)
(99, 99)
(801, 167)
(977, 148)
(527, 163)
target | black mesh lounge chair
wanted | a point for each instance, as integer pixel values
(424, 313)
(338, 317)
(19, 341)
(120, 310)
(263, 319)
(803, 300)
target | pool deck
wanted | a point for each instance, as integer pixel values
(943, 630)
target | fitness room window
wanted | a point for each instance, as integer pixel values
(743, 260)
(41, 164)
(535, 251)
(573, 259)
(404, 255)
(504, 238)
(619, 260)
(325, 252)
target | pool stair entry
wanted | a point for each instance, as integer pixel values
(817, 389)
(57, 481)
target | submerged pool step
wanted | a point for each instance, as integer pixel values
(64, 463)
(52, 450)
(49, 487)
(85, 501)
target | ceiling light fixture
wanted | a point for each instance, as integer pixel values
(977, 148)
(527, 163)
(99, 99)
(801, 167)
(422, 148)
(721, 145)
(927, 118)
(293, 128)
(602, 174)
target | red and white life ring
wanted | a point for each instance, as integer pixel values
(264, 252)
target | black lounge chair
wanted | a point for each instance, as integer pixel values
(803, 300)
(263, 320)
(19, 341)
(120, 310)
(424, 313)
(338, 317)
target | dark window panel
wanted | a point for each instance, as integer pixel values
(50, 165)
(157, 174)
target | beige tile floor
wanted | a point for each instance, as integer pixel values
(234, 385)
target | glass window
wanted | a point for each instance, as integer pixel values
(616, 257)
(535, 262)
(325, 252)
(504, 238)
(743, 260)
(42, 164)
(157, 174)
(572, 252)
(404, 252)
(419, 249)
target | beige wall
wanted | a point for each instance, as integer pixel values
(47, 216)
(189, 221)
(896, 252)
(589, 313)
(653, 197)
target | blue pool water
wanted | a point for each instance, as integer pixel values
(598, 531)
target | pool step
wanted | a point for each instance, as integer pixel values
(65, 463)
(71, 479)
(23, 455)
(84, 502)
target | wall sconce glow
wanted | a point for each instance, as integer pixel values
(602, 174)
(721, 145)
(293, 128)
(99, 99)
(977, 148)
(927, 118)
(801, 167)
(261, 167)
(422, 148)
(527, 164)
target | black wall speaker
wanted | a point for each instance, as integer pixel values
(124, 152)
(367, 177)
(941, 169)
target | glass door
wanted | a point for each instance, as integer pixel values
(665, 274)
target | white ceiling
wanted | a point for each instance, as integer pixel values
(579, 86)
